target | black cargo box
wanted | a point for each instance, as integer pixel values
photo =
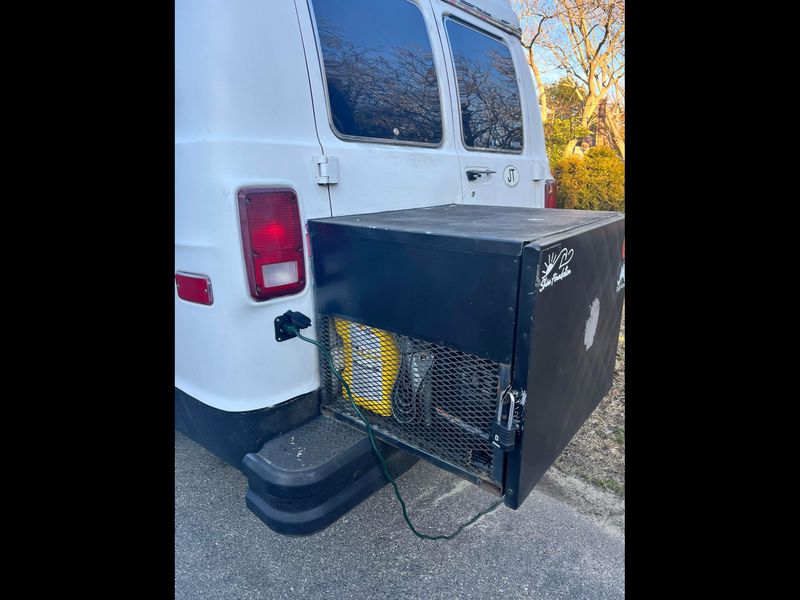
(471, 312)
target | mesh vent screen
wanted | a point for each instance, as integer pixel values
(437, 399)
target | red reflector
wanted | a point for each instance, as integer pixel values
(550, 190)
(623, 249)
(194, 288)
(272, 238)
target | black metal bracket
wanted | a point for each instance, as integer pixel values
(298, 319)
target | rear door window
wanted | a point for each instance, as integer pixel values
(379, 70)
(489, 98)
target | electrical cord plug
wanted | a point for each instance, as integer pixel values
(289, 324)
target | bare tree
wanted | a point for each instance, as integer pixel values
(586, 39)
(615, 116)
(533, 16)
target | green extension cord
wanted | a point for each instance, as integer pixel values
(295, 330)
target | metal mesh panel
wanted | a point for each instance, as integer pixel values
(434, 398)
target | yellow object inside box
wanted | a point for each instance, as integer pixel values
(371, 365)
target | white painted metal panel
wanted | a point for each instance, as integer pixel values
(378, 176)
(243, 117)
(531, 164)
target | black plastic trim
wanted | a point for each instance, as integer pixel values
(304, 502)
(231, 435)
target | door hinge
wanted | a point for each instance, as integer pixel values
(327, 169)
(539, 170)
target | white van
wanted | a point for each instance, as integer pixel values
(293, 111)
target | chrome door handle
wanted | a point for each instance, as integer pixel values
(473, 174)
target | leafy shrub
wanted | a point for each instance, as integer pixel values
(557, 134)
(594, 182)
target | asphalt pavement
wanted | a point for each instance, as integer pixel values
(543, 550)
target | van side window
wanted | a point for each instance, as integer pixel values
(491, 114)
(379, 70)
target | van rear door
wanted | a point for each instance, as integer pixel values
(499, 137)
(382, 104)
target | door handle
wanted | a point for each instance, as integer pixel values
(473, 174)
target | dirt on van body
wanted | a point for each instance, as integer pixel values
(590, 473)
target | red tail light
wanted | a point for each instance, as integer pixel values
(272, 238)
(550, 190)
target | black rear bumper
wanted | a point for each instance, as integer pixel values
(293, 492)
(301, 496)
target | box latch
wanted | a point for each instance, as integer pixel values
(503, 432)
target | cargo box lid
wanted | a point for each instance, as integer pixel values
(467, 227)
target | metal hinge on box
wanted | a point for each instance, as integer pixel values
(327, 169)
